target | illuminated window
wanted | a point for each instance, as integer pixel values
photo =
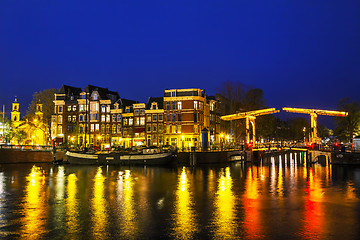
(60, 129)
(69, 118)
(179, 105)
(74, 108)
(142, 121)
(102, 127)
(114, 118)
(148, 118)
(125, 121)
(97, 127)
(119, 128)
(74, 118)
(137, 121)
(136, 112)
(108, 118)
(114, 128)
(69, 108)
(195, 104)
(173, 127)
(108, 108)
(108, 128)
(142, 111)
(92, 127)
(167, 129)
(179, 129)
(131, 121)
(81, 107)
(160, 127)
(60, 119)
(103, 118)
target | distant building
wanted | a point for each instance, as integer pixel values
(155, 121)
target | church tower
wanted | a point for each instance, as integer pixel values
(15, 112)
(39, 111)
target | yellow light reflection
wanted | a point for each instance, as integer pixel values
(280, 189)
(72, 205)
(252, 205)
(225, 210)
(128, 216)
(314, 212)
(98, 204)
(185, 225)
(35, 205)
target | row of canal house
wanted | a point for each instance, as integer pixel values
(105, 119)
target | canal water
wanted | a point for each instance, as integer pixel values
(279, 200)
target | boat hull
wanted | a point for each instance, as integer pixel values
(120, 159)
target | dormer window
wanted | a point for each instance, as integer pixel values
(154, 106)
(127, 110)
(173, 93)
(95, 96)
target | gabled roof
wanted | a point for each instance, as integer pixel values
(158, 100)
(69, 90)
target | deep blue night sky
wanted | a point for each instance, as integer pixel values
(301, 53)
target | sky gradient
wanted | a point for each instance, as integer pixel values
(301, 53)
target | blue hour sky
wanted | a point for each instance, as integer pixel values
(301, 53)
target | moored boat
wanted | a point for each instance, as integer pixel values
(147, 157)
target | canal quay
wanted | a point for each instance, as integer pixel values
(280, 197)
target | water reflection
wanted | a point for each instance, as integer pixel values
(72, 213)
(252, 206)
(184, 222)
(224, 217)
(35, 205)
(99, 216)
(127, 212)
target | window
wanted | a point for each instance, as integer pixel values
(74, 108)
(119, 128)
(93, 117)
(92, 127)
(168, 117)
(114, 118)
(167, 129)
(160, 128)
(60, 129)
(137, 121)
(136, 112)
(60, 119)
(174, 117)
(154, 117)
(179, 117)
(125, 121)
(85, 118)
(97, 127)
(173, 93)
(94, 107)
(179, 129)
(173, 105)
(69, 118)
(81, 118)
(167, 105)
(142, 111)
(154, 106)
(74, 118)
(148, 118)
(108, 108)
(160, 117)
(154, 128)
(108, 118)
(108, 128)
(102, 127)
(69, 128)
(142, 121)
(195, 128)
(81, 128)
(173, 127)
(81, 108)
(148, 129)
(103, 108)
(119, 118)
(131, 121)
(114, 129)
(201, 105)
(103, 118)
(116, 106)
(195, 117)
(127, 110)
(60, 109)
(179, 105)
(195, 104)
(69, 108)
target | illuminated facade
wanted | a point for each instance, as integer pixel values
(101, 118)
(31, 131)
(184, 117)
